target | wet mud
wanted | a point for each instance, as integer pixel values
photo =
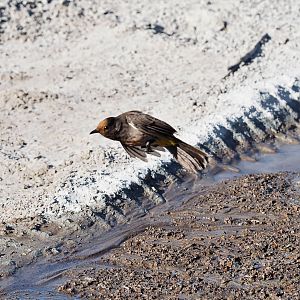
(218, 237)
(239, 238)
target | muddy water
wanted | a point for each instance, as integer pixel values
(39, 280)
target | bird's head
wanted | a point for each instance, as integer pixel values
(108, 128)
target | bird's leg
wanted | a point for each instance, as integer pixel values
(148, 146)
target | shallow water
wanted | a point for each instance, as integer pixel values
(286, 158)
(39, 280)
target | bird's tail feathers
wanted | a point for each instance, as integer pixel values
(191, 158)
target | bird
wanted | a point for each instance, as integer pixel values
(141, 134)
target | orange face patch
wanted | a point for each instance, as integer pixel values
(102, 126)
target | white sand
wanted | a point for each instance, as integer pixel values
(80, 63)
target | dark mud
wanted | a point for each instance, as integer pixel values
(237, 239)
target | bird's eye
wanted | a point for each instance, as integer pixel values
(105, 127)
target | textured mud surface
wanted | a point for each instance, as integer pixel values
(237, 239)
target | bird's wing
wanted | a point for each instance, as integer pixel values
(141, 153)
(149, 124)
(136, 152)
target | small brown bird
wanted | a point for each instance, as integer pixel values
(141, 134)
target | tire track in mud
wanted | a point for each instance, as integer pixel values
(275, 116)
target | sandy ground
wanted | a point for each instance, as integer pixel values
(64, 65)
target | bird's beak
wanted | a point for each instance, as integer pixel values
(94, 131)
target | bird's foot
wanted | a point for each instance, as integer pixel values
(148, 147)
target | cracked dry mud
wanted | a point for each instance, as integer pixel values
(237, 239)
